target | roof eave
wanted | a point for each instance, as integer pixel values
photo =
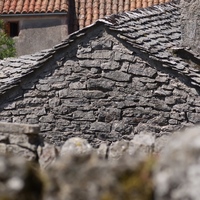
(34, 14)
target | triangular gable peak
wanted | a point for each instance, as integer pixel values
(105, 85)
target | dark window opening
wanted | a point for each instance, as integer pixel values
(12, 29)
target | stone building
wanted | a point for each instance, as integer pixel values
(122, 77)
(35, 25)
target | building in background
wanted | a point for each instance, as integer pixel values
(34, 24)
(40, 24)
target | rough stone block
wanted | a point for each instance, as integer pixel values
(101, 54)
(118, 149)
(102, 150)
(99, 45)
(67, 93)
(19, 128)
(47, 155)
(193, 117)
(84, 116)
(142, 144)
(178, 165)
(75, 146)
(117, 76)
(44, 88)
(100, 84)
(47, 118)
(142, 70)
(22, 152)
(53, 102)
(94, 94)
(89, 63)
(100, 127)
(77, 85)
(112, 65)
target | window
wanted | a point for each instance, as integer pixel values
(12, 28)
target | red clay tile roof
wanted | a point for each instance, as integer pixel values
(81, 12)
(88, 11)
(32, 6)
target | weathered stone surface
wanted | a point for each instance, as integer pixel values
(94, 94)
(100, 127)
(110, 65)
(89, 63)
(19, 180)
(84, 116)
(47, 155)
(100, 84)
(88, 177)
(75, 146)
(20, 139)
(19, 128)
(193, 117)
(117, 76)
(109, 115)
(117, 150)
(190, 24)
(142, 70)
(142, 145)
(177, 172)
(102, 151)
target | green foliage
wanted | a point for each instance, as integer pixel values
(7, 45)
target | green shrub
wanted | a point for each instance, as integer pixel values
(7, 45)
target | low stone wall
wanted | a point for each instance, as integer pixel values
(79, 172)
(20, 139)
(24, 141)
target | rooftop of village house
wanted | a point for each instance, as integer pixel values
(82, 12)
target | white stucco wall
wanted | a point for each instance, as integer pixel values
(39, 32)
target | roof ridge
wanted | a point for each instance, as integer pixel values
(142, 12)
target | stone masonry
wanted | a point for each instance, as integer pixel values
(96, 87)
(102, 92)
(21, 140)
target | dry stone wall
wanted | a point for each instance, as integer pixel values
(101, 91)
(22, 140)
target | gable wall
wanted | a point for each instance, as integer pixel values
(101, 91)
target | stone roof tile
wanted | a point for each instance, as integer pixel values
(14, 69)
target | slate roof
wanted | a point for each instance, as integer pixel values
(33, 6)
(154, 31)
(88, 11)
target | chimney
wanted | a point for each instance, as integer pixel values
(190, 24)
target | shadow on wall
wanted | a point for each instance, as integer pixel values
(44, 23)
(73, 18)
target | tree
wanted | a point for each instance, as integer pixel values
(7, 45)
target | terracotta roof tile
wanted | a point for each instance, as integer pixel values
(84, 12)
(33, 6)
(88, 11)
